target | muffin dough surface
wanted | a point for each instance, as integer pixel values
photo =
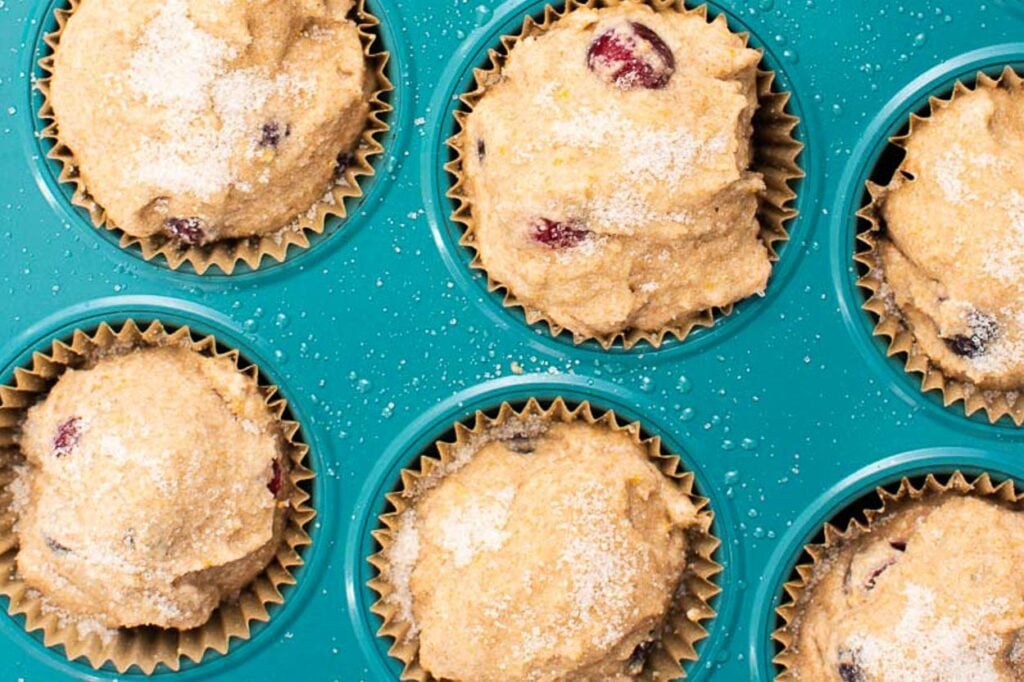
(548, 557)
(953, 247)
(651, 184)
(148, 489)
(208, 120)
(932, 593)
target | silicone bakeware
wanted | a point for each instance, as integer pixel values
(380, 336)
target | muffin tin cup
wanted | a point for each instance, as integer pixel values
(997, 404)
(776, 153)
(143, 648)
(683, 628)
(225, 255)
(981, 485)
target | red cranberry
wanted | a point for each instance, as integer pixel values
(273, 133)
(276, 479)
(898, 545)
(189, 231)
(850, 672)
(964, 346)
(872, 579)
(981, 329)
(632, 56)
(67, 436)
(521, 443)
(558, 235)
(55, 546)
(849, 667)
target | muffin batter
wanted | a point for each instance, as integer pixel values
(608, 171)
(204, 121)
(552, 553)
(933, 592)
(953, 247)
(153, 485)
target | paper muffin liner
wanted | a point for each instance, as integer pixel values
(890, 322)
(226, 254)
(144, 647)
(889, 502)
(683, 627)
(776, 151)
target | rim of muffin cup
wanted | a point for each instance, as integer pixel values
(226, 255)
(147, 648)
(776, 153)
(691, 609)
(877, 504)
(889, 322)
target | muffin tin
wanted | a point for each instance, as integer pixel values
(380, 336)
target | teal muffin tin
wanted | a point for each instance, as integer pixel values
(380, 336)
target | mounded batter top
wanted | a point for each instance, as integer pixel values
(608, 171)
(550, 552)
(151, 491)
(952, 252)
(209, 120)
(933, 592)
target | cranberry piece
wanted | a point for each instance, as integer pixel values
(850, 672)
(632, 56)
(276, 479)
(849, 667)
(67, 436)
(481, 149)
(273, 133)
(520, 443)
(55, 546)
(189, 231)
(558, 235)
(964, 346)
(872, 579)
(981, 329)
(900, 546)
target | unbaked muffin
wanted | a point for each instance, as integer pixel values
(608, 171)
(154, 488)
(952, 246)
(932, 592)
(204, 121)
(543, 551)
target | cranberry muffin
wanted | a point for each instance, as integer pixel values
(543, 551)
(154, 488)
(608, 175)
(932, 592)
(204, 121)
(952, 248)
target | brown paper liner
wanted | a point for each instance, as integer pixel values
(144, 647)
(776, 151)
(796, 590)
(683, 628)
(226, 254)
(996, 404)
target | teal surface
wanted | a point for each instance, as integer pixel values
(380, 337)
